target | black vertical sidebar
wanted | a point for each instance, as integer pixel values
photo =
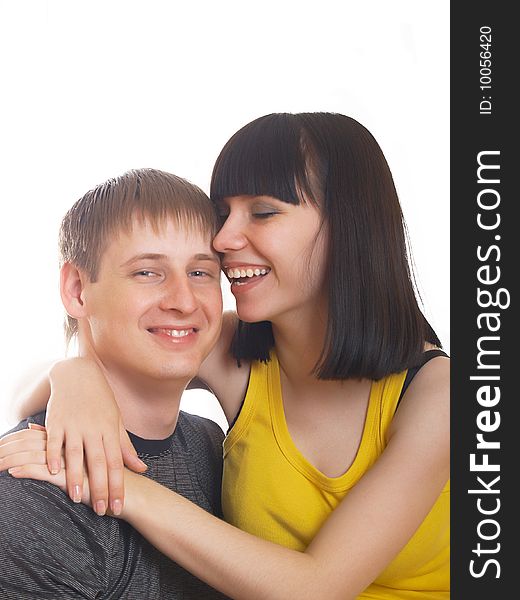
(485, 267)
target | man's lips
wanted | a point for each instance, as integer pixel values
(174, 332)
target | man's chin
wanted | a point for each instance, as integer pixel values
(178, 373)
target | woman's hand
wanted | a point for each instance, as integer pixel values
(23, 455)
(22, 447)
(84, 419)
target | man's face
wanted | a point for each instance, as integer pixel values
(155, 310)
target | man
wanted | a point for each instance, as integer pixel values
(141, 287)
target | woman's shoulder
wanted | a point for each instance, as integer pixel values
(431, 373)
(434, 363)
(426, 399)
(220, 371)
(432, 355)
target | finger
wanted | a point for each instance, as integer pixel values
(115, 473)
(74, 462)
(37, 426)
(23, 434)
(36, 457)
(129, 453)
(17, 446)
(97, 473)
(55, 443)
(39, 472)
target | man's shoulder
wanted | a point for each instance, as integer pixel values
(195, 471)
(38, 418)
(42, 527)
(195, 425)
(202, 438)
(38, 508)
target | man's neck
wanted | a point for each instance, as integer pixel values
(149, 404)
(149, 409)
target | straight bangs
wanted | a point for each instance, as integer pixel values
(271, 156)
(375, 325)
(265, 158)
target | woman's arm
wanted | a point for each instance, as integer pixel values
(359, 539)
(77, 393)
(220, 372)
(32, 393)
(362, 535)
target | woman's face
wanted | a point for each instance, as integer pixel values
(274, 255)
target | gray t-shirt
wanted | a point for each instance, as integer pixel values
(53, 548)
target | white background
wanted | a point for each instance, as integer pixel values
(90, 89)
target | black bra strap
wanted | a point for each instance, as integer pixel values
(412, 372)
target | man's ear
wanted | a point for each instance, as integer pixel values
(71, 290)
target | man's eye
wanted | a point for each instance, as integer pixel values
(198, 274)
(145, 273)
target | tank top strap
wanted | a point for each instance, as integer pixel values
(412, 371)
(255, 400)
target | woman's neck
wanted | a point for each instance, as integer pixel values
(299, 341)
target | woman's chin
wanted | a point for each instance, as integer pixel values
(251, 315)
(251, 319)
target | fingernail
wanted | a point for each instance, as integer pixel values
(116, 507)
(14, 470)
(55, 467)
(36, 426)
(76, 494)
(100, 507)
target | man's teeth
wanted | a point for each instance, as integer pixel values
(175, 332)
(241, 273)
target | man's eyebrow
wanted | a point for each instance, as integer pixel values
(154, 256)
(144, 256)
(213, 257)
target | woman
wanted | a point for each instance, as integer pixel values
(336, 476)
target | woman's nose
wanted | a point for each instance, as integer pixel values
(231, 236)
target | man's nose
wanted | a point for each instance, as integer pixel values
(179, 295)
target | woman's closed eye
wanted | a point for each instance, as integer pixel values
(265, 214)
(264, 210)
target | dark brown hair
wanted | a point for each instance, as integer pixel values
(375, 326)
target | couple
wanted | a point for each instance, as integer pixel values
(336, 463)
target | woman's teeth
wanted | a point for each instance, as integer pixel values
(242, 273)
(241, 276)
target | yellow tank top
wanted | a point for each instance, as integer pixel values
(273, 492)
